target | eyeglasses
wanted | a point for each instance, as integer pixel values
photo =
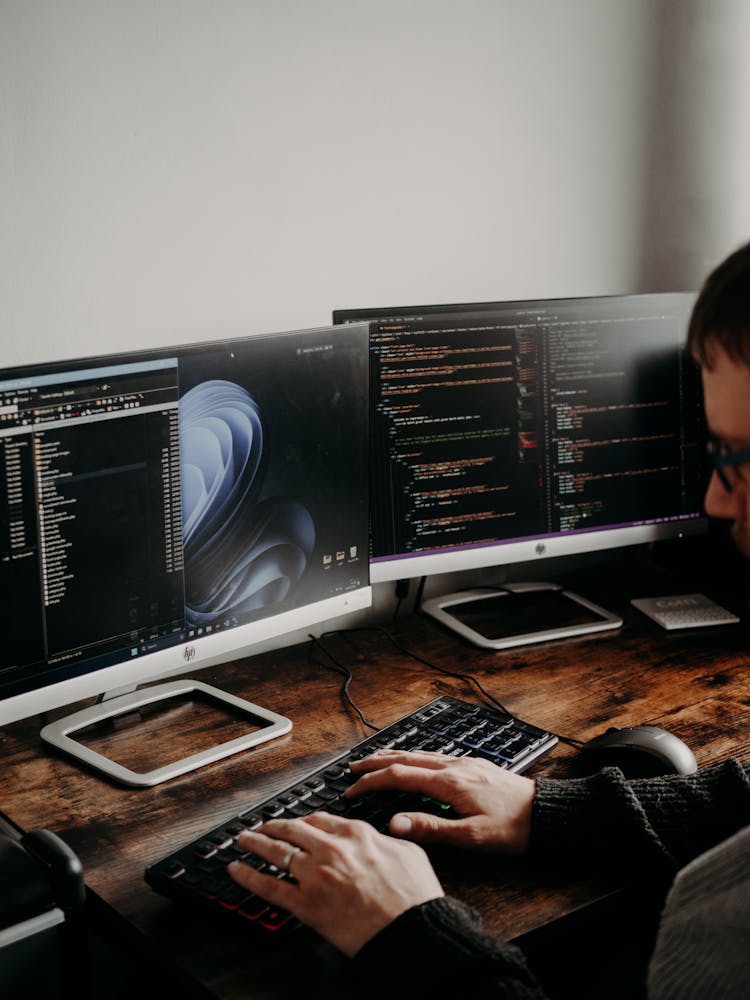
(723, 458)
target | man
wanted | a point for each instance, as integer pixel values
(377, 898)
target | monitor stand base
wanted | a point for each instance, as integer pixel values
(517, 614)
(267, 725)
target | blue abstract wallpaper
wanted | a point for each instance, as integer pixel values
(243, 553)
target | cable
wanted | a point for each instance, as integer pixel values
(347, 674)
(418, 596)
(402, 592)
(570, 740)
(467, 678)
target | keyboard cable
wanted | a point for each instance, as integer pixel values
(467, 678)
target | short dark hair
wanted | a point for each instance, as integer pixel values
(721, 314)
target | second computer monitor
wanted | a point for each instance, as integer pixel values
(509, 431)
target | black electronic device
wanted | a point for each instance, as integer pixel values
(196, 873)
(164, 510)
(511, 432)
(43, 935)
(640, 752)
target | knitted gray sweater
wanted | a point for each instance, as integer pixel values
(652, 827)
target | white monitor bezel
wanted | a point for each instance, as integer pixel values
(186, 657)
(499, 553)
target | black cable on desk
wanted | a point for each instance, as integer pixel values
(402, 592)
(339, 668)
(467, 678)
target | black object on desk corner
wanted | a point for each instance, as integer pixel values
(43, 936)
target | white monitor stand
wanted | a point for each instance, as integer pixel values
(517, 614)
(266, 725)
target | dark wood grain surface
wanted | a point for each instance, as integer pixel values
(694, 683)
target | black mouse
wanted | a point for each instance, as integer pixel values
(640, 752)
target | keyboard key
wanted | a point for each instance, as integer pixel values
(302, 792)
(274, 919)
(220, 840)
(232, 896)
(327, 794)
(253, 908)
(236, 828)
(251, 820)
(338, 806)
(297, 811)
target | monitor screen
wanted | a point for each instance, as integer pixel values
(169, 509)
(511, 431)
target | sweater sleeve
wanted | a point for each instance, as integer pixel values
(647, 825)
(439, 949)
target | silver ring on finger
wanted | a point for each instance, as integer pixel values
(288, 859)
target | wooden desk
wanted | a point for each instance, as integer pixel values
(696, 685)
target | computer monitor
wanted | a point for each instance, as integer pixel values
(506, 432)
(166, 510)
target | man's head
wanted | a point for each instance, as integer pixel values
(719, 340)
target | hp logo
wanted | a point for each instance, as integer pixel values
(188, 653)
(540, 548)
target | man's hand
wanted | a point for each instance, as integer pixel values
(349, 881)
(492, 806)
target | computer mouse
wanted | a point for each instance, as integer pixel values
(640, 752)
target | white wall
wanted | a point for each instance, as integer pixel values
(188, 169)
(697, 204)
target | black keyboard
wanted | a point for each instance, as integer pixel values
(197, 872)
